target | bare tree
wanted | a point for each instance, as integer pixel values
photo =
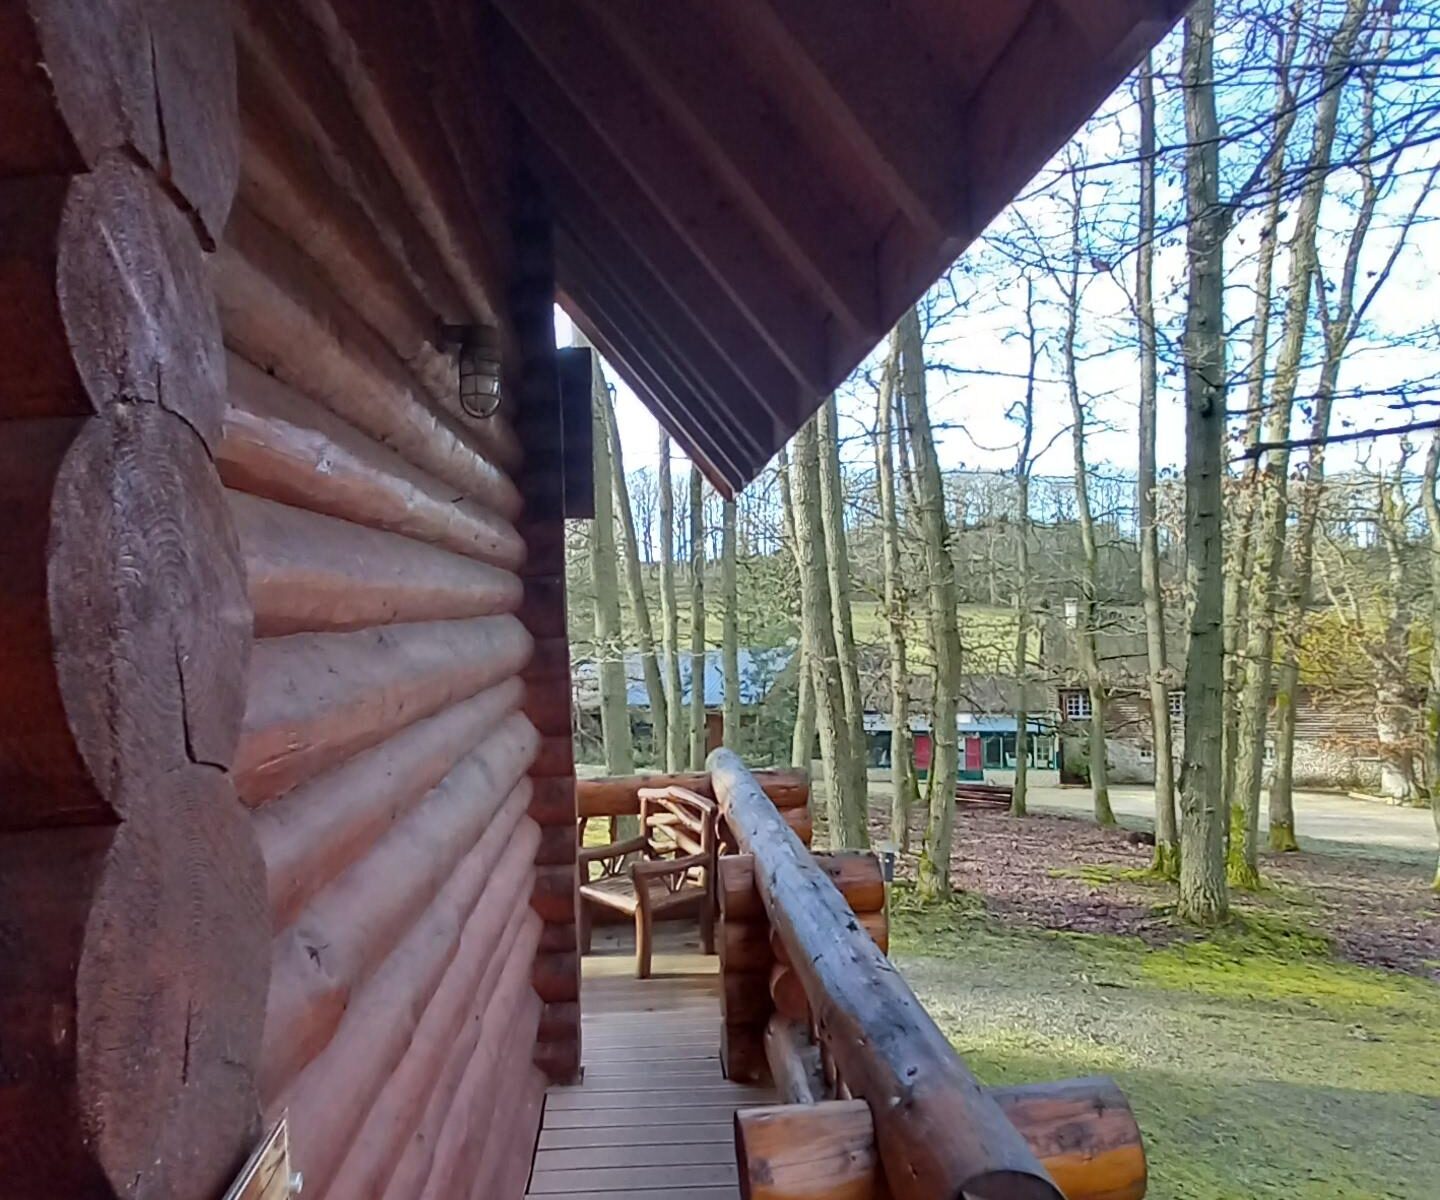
(1203, 896)
(675, 756)
(697, 619)
(634, 580)
(1432, 697)
(1272, 510)
(1018, 796)
(904, 791)
(730, 630)
(933, 875)
(845, 810)
(1167, 835)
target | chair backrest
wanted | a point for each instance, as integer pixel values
(675, 820)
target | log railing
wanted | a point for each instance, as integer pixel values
(879, 1103)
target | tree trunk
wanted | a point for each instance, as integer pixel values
(933, 875)
(635, 587)
(1271, 518)
(837, 560)
(730, 630)
(1432, 698)
(697, 619)
(675, 756)
(609, 640)
(1019, 797)
(844, 808)
(1203, 897)
(1167, 836)
(902, 762)
(1090, 551)
(802, 739)
(1241, 511)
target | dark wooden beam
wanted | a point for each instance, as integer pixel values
(649, 260)
(725, 110)
(864, 71)
(616, 112)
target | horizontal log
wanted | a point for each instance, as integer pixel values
(400, 1171)
(1082, 1130)
(1085, 1133)
(559, 1061)
(800, 820)
(820, 1151)
(794, 1061)
(284, 446)
(556, 977)
(556, 759)
(308, 573)
(787, 993)
(328, 1100)
(938, 1133)
(285, 182)
(311, 834)
(619, 795)
(548, 705)
(876, 924)
(351, 925)
(508, 1153)
(447, 1028)
(559, 1023)
(857, 874)
(316, 699)
(281, 315)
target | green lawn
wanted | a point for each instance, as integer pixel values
(1258, 1066)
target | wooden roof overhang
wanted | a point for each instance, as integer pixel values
(747, 194)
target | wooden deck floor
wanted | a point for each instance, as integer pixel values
(652, 1118)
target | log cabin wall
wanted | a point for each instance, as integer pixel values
(277, 828)
(388, 751)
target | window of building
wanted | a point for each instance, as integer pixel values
(1146, 752)
(1177, 705)
(1075, 705)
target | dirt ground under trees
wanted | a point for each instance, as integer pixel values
(1294, 1054)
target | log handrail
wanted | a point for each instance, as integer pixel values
(940, 1135)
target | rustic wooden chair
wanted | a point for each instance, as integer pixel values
(670, 863)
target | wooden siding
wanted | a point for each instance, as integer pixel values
(391, 727)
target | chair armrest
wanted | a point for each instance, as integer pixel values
(667, 866)
(633, 845)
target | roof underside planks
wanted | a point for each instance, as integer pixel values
(749, 194)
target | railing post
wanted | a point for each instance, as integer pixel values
(939, 1134)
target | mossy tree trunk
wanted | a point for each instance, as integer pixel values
(933, 874)
(1019, 798)
(675, 756)
(904, 791)
(837, 561)
(1273, 508)
(844, 809)
(635, 585)
(730, 629)
(1203, 897)
(1167, 834)
(697, 619)
(1432, 698)
(615, 732)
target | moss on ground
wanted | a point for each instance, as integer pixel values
(1259, 1066)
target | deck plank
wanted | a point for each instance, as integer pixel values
(652, 1118)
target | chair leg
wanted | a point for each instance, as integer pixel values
(643, 946)
(586, 927)
(707, 926)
